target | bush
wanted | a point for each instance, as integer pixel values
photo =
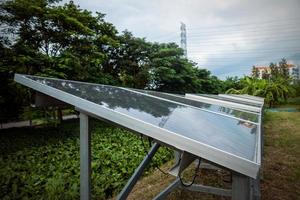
(274, 91)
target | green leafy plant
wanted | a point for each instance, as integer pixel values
(43, 163)
(274, 91)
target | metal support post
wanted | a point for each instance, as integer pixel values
(138, 172)
(262, 141)
(208, 190)
(85, 158)
(177, 156)
(255, 189)
(175, 184)
(240, 187)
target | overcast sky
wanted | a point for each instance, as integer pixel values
(226, 37)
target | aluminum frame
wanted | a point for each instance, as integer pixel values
(152, 94)
(212, 100)
(247, 96)
(241, 98)
(239, 101)
(220, 157)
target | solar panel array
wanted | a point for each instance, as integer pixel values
(226, 135)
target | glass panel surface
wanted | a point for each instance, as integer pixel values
(227, 134)
(230, 100)
(253, 98)
(244, 115)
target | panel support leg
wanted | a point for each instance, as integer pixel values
(175, 184)
(85, 158)
(240, 187)
(255, 189)
(138, 172)
(177, 156)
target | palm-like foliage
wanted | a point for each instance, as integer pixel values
(273, 91)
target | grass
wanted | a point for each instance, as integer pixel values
(281, 158)
(281, 166)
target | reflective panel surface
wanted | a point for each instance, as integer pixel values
(230, 100)
(245, 96)
(243, 115)
(231, 135)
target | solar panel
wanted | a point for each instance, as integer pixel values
(227, 102)
(259, 99)
(228, 98)
(241, 98)
(230, 142)
(218, 109)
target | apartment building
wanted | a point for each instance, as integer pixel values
(294, 71)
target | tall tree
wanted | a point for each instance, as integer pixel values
(265, 74)
(284, 69)
(49, 36)
(231, 82)
(170, 71)
(254, 72)
(39, 37)
(133, 60)
(275, 73)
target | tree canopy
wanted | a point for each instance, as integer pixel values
(275, 86)
(41, 37)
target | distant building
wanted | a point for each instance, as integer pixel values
(294, 71)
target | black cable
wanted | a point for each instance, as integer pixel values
(156, 166)
(165, 173)
(255, 24)
(162, 171)
(195, 175)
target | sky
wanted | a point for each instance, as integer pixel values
(226, 37)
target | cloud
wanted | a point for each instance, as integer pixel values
(225, 36)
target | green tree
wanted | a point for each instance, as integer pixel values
(171, 72)
(283, 68)
(41, 37)
(274, 71)
(49, 36)
(231, 82)
(254, 72)
(273, 91)
(132, 61)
